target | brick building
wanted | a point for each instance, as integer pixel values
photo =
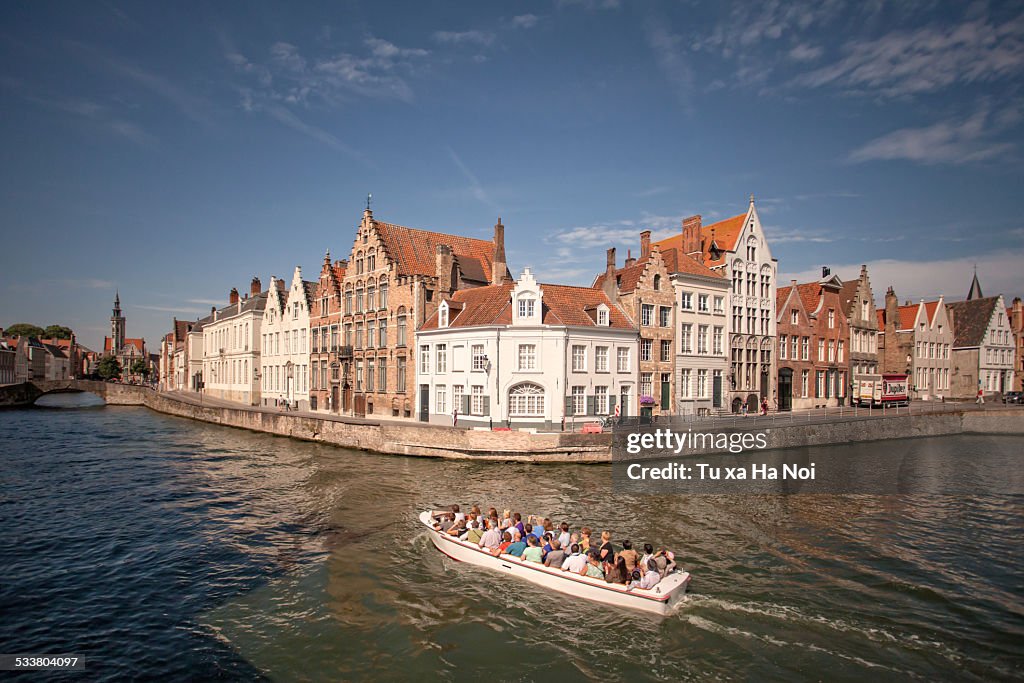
(858, 301)
(396, 277)
(643, 289)
(917, 339)
(796, 333)
(328, 357)
(1015, 314)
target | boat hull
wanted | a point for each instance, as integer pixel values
(660, 600)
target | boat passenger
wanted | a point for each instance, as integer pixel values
(503, 546)
(458, 515)
(547, 542)
(617, 572)
(533, 552)
(607, 550)
(474, 535)
(506, 520)
(458, 528)
(648, 554)
(651, 575)
(517, 547)
(475, 511)
(593, 567)
(585, 539)
(492, 537)
(446, 522)
(629, 555)
(517, 522)
(576, 561)
(564, 537)
(555, 556)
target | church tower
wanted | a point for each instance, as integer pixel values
(975, 291)
(117, 326)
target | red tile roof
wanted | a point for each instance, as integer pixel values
(907, 314)
(562, 305)
(810, 296)
(414, 251)
(725, 233)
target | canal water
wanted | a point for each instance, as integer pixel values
(160, 548)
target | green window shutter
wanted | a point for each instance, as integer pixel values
(568, 405)
(590, 405)
(611, 404)
(465, 404)
(487, 405)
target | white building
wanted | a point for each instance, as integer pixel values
(231, 348)
(284, 343)
(983, 349)
(525, 355)
(737, 249)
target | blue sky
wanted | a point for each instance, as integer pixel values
(174, 151)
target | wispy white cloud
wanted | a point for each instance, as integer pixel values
(169, 309)
(999, 272)
(104, 116)
(776, 235)
(284, 116)
(589, 4)
(805, 53)
(194, 107)
(652, 191)
(481, 38)
(837, 194)
(525, 21)
(474, 183)
(946, 142)
(903, 63)
(670, 57)
(208, 302)
(89, 283)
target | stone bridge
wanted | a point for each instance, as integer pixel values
(25, 394)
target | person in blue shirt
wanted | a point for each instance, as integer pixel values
(517, 547)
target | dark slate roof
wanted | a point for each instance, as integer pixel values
(971, 319)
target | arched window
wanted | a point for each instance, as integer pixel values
(752, 248)
(371, 260)
(526, 400)
(657, 283)
(383, 293)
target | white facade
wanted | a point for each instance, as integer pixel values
(531, 372)
(284, 344)
(231, 351)
(702, 338)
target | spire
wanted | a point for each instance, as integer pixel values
(975, 292)
(751, 198)
(117, 295)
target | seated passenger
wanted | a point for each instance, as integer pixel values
(458, 528)
(593, 568)
(446, 522)
(648, 554)
(576, 561)
(607, 550)
(504, 545)
(547, 542)
(474, 535)
(517, 522)
(651, 575)
(617, 572)
(506, 520)
(458, 515)
(585, 539)
(533, 552)
(564, 538)
(555, 556)
(518, 545)
(629, 555)
(491, 538)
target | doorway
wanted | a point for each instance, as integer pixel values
(785, 389)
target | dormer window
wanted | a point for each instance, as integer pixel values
(442, 315)
(526, 307)
(602, 315)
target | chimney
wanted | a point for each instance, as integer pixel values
(629, 258)
(233, 296)
(609, 286)
(691, 235)
(213, 311)
(645, 244)
(499, 268)
(1016, 316)
(444, 270)
(825, 272)
(255, 287)
(792, 283)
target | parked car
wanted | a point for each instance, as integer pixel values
(1014, 397)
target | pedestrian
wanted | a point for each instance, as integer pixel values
(981, 397)
(455, 417)
(764, 406)
(743, 408)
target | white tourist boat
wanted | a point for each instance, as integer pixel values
(661, 599)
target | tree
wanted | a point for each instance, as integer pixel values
(108, 368)
(140, 367)
(57, 332)
(25, 330)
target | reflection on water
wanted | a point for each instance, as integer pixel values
(72, 399)
(141, 538)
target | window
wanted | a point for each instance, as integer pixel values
(646, 314)
(663, 316)
(442, 317)
(424, 360)
(719, 304)
(527, 357)
(840, 352)
(666, 351)
(601, 400)
(526, 307)
(821, 350)
(479, 359)
(579, 401)
(601, 359)
(645, 349)
(526, 400)
(476, 399)
(442, 358)
(646, 384)
(400, 378)
(359, 335)
(805, 348)
(702, 303)
(831, 318)
(369, 375)
(359, 375)
(685, 337)
(441, 399)
(622, 359)
(371, 297)
(783, 345)
(382, 333)
(457, 391)
(400, 340)
(684, 383)
(579, 358)
(359, 299)
(686, 301)
(371, 260)
(819, 384)
(382, 375)
(702, 339)
(794, 317)
(718, 341)
(864, 311)
(657, 283)
(702, 384)
(831, 352)
(371, 335)
(804, 382)
(602, 317)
